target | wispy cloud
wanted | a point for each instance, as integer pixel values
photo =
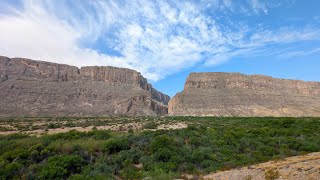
(291, 54)
(157, 38)
(259, 6)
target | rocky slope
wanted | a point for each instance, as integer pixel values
(37, 88)
(293, 168)
(234, 94)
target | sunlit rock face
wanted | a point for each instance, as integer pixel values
(234, 94)
(38, 88)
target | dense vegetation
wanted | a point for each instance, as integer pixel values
(207, 145)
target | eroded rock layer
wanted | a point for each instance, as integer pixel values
(37, 88)
(234, 94)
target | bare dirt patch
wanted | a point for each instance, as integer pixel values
(135, 126)
(173, 126)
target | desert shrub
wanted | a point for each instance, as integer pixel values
(84, 177)
(150, 125)
(134, 155)
(162, 141)
(199, 156)
(98, 169)
(99, 134)
(309, 147)
(116, 145)
(164, 166)
(38, 153)
(53, 125)
(10, 170)
(159, 174)
(286, 123)
(61, 166)
(16, 154)
(163, 155)
(130, 131)
(131, 172)
(13, 136)
(78, 177)
(272, 174)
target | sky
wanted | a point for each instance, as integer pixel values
(165, 40)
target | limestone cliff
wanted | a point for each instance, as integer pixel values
(37, 88)
(234, 94)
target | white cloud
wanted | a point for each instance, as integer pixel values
(157, 38)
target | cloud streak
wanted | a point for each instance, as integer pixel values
(299, 53)
(157, 38)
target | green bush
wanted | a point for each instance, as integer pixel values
(162, 141)
(61, 166)
(116, 145)
(150, 125)
(163, 155)
(131, 173)
(99, 134)
(98, 169)
(11, 170)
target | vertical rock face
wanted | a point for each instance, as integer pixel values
(37, 88)
(234, 94)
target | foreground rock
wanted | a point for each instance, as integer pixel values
(234, 94)
(37, 88)
(293, 168)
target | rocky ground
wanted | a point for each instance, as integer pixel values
(304, 167)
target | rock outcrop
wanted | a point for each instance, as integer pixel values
(37, 88)
(234, 94)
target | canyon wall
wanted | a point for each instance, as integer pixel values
(234, 94)
(38, 88)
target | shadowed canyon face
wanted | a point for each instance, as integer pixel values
(37, 88)
(234, 94)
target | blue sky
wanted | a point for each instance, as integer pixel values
(165, 40)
